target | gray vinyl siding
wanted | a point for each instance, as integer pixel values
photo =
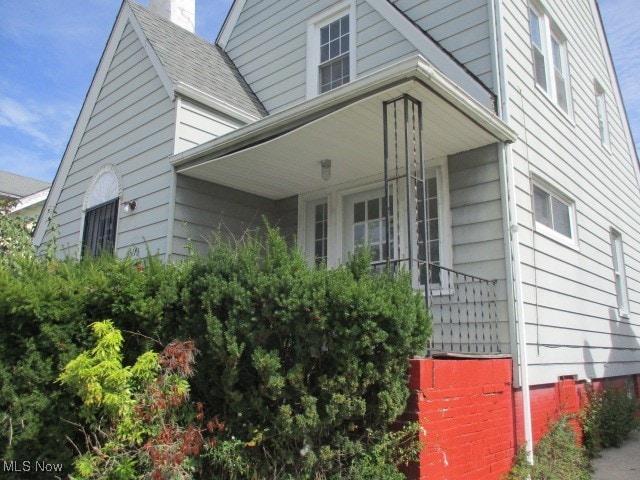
(198, 124)
(268, 43)
(131, 126)
(204, 210)
(477, 225)
(378, 44)
(461, 27)
(573, 327)
(268, 46)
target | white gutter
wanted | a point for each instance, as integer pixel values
(414, 68)
(512, 238)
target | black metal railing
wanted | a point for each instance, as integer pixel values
(464, 313)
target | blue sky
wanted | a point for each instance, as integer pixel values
(49, 50)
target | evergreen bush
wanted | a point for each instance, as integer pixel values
(306, 368)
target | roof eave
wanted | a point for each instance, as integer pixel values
(414, 68)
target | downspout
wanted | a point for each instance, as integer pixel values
(512, 239)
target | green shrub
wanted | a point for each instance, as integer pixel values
(557, 456)
(608, 419)
(140, 422)
(45, 309)
(306, 366)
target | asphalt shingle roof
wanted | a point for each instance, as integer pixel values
(192, 60)
(19, 186)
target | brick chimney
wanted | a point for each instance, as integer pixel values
(180, 12)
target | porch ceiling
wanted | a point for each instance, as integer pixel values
(351, 137)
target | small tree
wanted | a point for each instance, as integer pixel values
(135, 414)
(15, 233)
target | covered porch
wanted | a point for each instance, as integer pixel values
(383, 161)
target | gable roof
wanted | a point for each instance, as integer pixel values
(430, 49)
(18, 186)
(180, 60)
(193, 62)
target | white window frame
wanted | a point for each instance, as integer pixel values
(336, 197)
(555, 193)
(548, 34)
(602, 117)
(314, 25)
(619, 274)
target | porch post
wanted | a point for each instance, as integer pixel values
(404, 170)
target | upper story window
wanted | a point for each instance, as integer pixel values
(554, 214)
(330, 49)
(334, 65)
(601, 111)
(550, 62)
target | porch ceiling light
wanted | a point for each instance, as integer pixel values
(325, 167)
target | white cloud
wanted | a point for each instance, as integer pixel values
(15, 115)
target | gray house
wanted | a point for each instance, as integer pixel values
(482, 144)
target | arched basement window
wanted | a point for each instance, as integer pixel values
(101, 212)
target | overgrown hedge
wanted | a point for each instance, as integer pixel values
(307, 368)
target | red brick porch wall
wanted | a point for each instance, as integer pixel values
(472, 416)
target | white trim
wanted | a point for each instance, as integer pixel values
(548, 33)
(230, 23)
(555, 192)
(314, 24)
(177, 118)
(30, 200)
(171, 217)
(620, 274)
(216, 103)
(105, 169)
(125, 15)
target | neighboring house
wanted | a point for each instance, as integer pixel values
(482, 143)
(29, 194)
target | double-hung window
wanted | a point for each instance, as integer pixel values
(334, 68)
(619, 275)
(330, 49)
(550, 60)
(554, 214)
